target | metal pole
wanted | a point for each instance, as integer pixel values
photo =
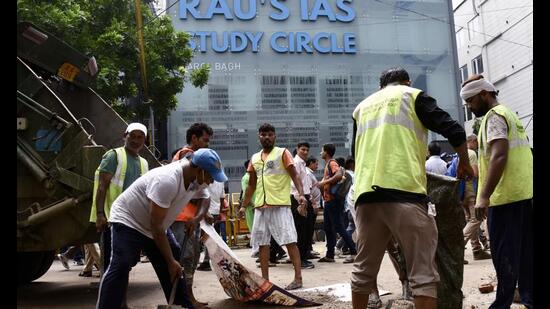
(152, 125)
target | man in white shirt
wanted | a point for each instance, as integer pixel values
(141, 215)
(435, 164)
(301, 222)
(312, 164)
(217, 199)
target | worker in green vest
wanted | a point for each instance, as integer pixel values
(271, 170)
(505, 190)
(390, 145)
(118, 169)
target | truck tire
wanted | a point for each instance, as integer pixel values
(32, 265)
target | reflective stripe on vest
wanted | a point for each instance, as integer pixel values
(391, 142)
(117, 182)
(516, 182)
(402, 117)
(273, 181)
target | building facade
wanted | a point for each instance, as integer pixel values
(495, 38)
(303, 65)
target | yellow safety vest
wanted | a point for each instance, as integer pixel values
(390, 143)
(516, 182)
(116, 184)
(273, 184)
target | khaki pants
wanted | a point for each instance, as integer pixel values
(471, 230)
(415, 232)
(91, 253)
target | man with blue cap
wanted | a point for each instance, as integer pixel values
(141, 215)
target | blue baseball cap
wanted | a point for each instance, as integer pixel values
(208, 160)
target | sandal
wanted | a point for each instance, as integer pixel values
(85, 273)
(374, 303)
(294, 285)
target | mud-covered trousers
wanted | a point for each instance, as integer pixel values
(125, 249)
(511, 233)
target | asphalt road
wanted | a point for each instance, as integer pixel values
(60, 288)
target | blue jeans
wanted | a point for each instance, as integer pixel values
(333, 223)
(511, 233)
(348, 221)
(219, 226)
(126, 244)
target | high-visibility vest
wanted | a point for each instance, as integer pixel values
(516, 182)
(116, 184)
(390, 143)
(273, 184)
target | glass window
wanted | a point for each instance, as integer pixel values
(473, 28)
(477, 65)
(463, 73)
(288, 67)
(467, 114)
(460, 37)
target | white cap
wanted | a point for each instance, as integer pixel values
(136, 126)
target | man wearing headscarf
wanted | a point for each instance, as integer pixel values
(505, 190)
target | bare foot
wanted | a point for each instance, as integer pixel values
(296, 284)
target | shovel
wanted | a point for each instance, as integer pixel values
(172, 296)
(175, 283)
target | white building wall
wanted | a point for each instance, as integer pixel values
(505, 41)
(505, 57)
(500, 15)
(516, 92)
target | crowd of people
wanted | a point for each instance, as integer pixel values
(373, 201)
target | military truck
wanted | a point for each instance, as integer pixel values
(63, 129)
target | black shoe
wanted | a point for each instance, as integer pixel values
(315, 254)
(281, 255)
(326, 260)
(204, 267)
(307, 265)
(481, 255)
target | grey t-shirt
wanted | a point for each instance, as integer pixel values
(133, 166)
(163, 185)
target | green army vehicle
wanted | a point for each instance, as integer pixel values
(63, 129)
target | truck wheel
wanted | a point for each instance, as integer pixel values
(32, 265)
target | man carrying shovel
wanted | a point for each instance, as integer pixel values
(141, 215)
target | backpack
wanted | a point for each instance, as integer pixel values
(340, 190)
(452, 171)
(344, 186)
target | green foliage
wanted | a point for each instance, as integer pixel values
(199, 76)
(476, 125)
(106, 29)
